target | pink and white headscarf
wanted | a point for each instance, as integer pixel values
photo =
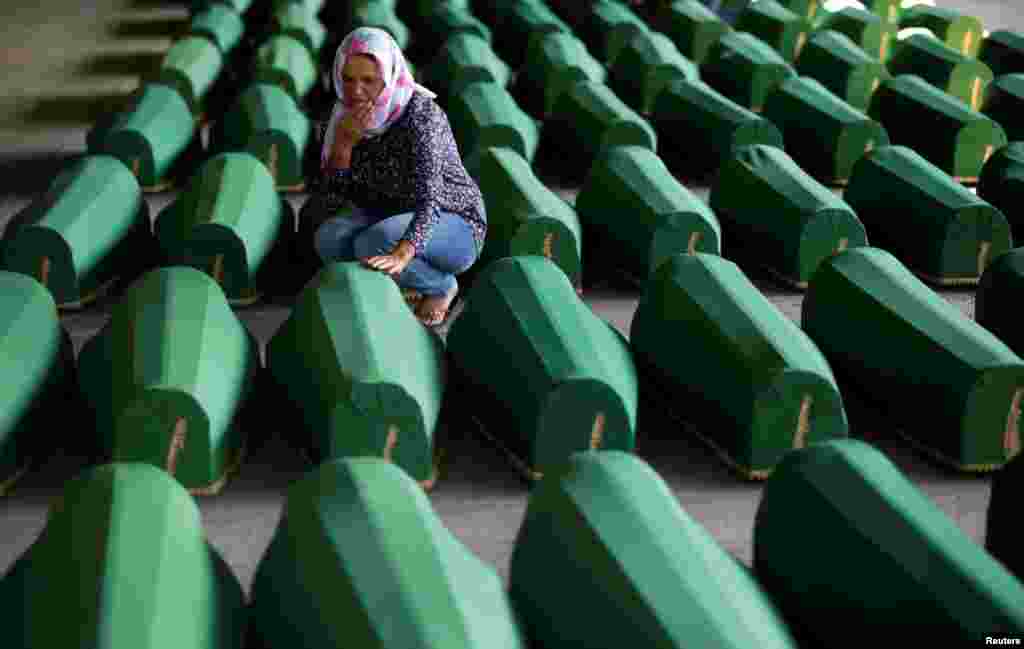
(399, 85)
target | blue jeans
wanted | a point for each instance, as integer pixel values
(450, 251)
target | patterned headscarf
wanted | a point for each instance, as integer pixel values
(399, 85)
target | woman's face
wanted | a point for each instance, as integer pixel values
(361, 80)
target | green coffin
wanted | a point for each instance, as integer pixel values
(957, 140)
(524, 20)
(887, 10)
(646, 63)
(1001, 537)
(733, 365)
(745, 69)
(946, 383)
(779, 216)
(642, 213)
(484, 114)
(692, 27)
(228, 222)
(38, 361)
(421, 10)
(996, 304)
(490, 11)
(366, 375)
(562, 379)
(89, 228)
(867, 30)
(465, 58)
(191, 67)
(606, 28)
(1003, 52)
(360, 559)
(840, 65)
(895, 561)
(266, 122)
(375, 13)
(589, 118)
(961, 32)
(302, 24)
(1004, 103)
(606, 558)
(286, 62)
(691, 116)
(1001, 183)
(441, 23)
(524, 217)
(238, 6)
(554, 61)
(933, 224)
(168, 375)
(823, 134)
(219, 23)
(942, 66)
(124, 559)
(150, 137)
(777, 26)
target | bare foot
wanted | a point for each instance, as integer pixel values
(434, 308)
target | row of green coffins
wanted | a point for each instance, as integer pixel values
(600, 518)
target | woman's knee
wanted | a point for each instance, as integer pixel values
(333, 239)
(373, 241)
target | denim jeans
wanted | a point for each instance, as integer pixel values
(450, 251)
(727, 10)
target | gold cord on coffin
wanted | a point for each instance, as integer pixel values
(549, 240)
(691, 245)
(1011, 439)
(597, 432)
(44, 271)
(177, 444)
(803, 422)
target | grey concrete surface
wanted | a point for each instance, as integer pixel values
(479, 497)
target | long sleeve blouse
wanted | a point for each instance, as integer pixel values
(414, 166)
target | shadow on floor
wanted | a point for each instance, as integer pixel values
(142, 64)
(85, 109)
(159, 28)
(34, 172)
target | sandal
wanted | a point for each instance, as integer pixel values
(436, 316)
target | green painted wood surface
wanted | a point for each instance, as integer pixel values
(191, 66)
(823, 134)
(691, 116)
(561, 381)
(465, 58)
(57, 237)
(645, 65)
(866, 29)
(692, 27)
(1003, 52)
(944, 381)
(167, 376)
(362, 370)
(150, 136)
(360, 559)
(745, 69)
(443, 21)
(937, 63)
(37, 360)
(958, 140)
(933, 224)
(995, 302)
(302, 24)
(779, 216)
(266, 122)
(1004, 103)
(422, 9)
(773, 23)
(554, 61)
(524, 217)
(226, 222)
(219, 23)
(904, 563)
(285, 61)
(732, 364)
(887, 10)
(382, 15)
(838, 63)
(484, 114)
(1001, 536)
(642, 212)
(588, 118)
(1001, 183)
(522, 21)
(607, 558)
(959, 31)
(239, 6)
(607, 26)
(124, 559)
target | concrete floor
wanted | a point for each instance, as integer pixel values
(480, 498)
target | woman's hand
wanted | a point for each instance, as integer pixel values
(395, 262)
(348, 133)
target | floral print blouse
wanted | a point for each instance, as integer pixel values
(414, 166)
